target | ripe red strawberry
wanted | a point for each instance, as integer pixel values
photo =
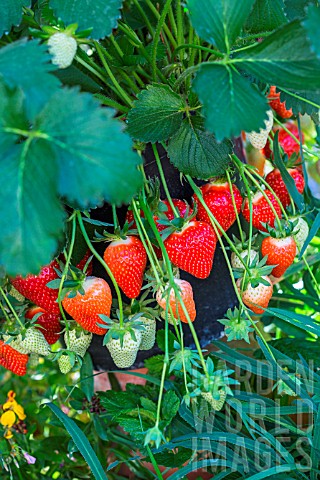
(192, 249)
(261, 210)
(258, 296)
(49, 321)
(278, 106)
(34, 288)
(275, 181)
(218, 198)
(288, 144)
(280, 252)
(127, 260)
(85, 309)
(13, 360)
(186, 293)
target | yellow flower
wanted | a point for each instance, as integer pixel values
(19, 411)
(13, 405)
(8, 418)
(8, 434)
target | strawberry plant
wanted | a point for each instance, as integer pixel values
(102, 104)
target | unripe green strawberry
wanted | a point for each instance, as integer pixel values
(301, 232)
(148, 336)
(125, 356)
(215, 404)
(63, 47)
(64, 364)
(33, 360)
(235, 261)
(259, 139)
(15, 294)
(79, 341)
(34, 342)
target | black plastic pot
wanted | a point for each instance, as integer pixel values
(213, 296)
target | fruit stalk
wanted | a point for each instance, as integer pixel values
(164, 182)
(144, 237)
(173, 285)
(11, 308)
(196, 190)
(234, 205)
(237, 160)
(103, 263)
(64, 273)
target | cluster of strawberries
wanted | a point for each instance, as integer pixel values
(190, 240)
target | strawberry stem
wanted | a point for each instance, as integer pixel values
(103, 263)
(215, 224)
(302, 147)
(311, 274)
(173, 284)
(164, 182)
(5, 313)
(115, 218)
(143, 235)
(11, 308)
(250, 222)
(119, 89)
(262, 180)
(234, 206)
(242, 169)
(64, 274)
(196, 191)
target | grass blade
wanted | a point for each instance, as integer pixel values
(81, 442)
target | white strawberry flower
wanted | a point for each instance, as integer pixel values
(63, 48)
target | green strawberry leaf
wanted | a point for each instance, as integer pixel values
(75, 150)
(311, 23)
(27, 65)
(156, 115)
(32, 219)
(101, 16)
(266, 15)
(219, 21)
(195, 152)
(301, 102)
(170, 406)
(11, 14)
(284, 59)
(232, 104)
(296, 8)
(91, 149)
(86, 376)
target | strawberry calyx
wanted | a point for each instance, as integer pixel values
(237, 325)
(142, 306)
(119, 233)
(257, 270)
(117, 332)
(73, 283)
(217, 384)
(243, 244)
(284, 229)
(178, 224)
(163, 275)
